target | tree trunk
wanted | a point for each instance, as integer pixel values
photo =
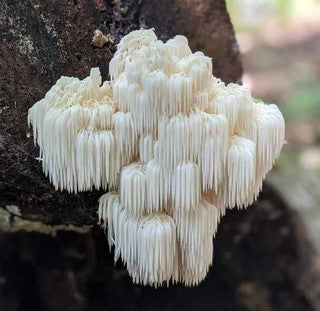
(53, 255)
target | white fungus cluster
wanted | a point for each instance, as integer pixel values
(173, 145)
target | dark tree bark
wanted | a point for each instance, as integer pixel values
(42, 40)
(257, 253)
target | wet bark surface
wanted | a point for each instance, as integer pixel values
(258, 255)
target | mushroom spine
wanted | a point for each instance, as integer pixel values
(172, 145)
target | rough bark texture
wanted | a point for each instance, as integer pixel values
(257, 252)
(42, 40)
(260, 264)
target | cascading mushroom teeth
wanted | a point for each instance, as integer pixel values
(173, 145)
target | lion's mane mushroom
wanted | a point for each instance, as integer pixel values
(173, 145)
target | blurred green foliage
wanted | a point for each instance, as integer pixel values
(304, 103)
(287, 160)
(283, 8)
(246, 13)
(299, 97)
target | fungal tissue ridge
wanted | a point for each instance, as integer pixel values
(173, 146)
